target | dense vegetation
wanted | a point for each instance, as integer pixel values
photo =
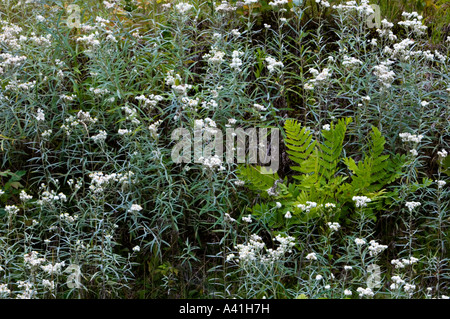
(93, 203)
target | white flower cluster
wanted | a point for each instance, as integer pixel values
(361, 201)
(131, 114)
(365, 292)
(375, 248)
(90, 40)
(15, 86)
(100, 137)
(24, 196)
(214, 162)
(413, 22)
(68, 218)
(311, 256)
(386, 31)
(100, 181)
(135, 208)
(404, 262)
(277, 3)
(440, 183)
(175, 82)
(359, 241)
(153, 128)
(67, 98)
(247, 219)
(52, 269)
(225, 7)
(83, 118)
(50, 285)
(351, 62)
(10, 61)
(254, 250)
(442, 154)
(260, 107)
(308, 206)
(4, 290)
(12, 209)
(412, 205)
(397, 282)
(273, 65)
(363, 8)
(9, 35)
(286, 244)
(401, 50)
(207, 125)
(236, 61)
(334, 226)
(319, 77)
(183, 7)
(151, 100)
(28, 291)
(251, 250)
(324, 3)
(50, 196)
(37, 40)
(384, 74)
(214, 57)
(407, 137)
(32, 259)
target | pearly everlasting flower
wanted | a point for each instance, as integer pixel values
(247, 219)
(136, 249)
(50, 285)
(347, 267)
(214, 57)
(319, 277)
(440, 183)
(384, 74)
(414, 152)
(273, 65)
(412, 205)
(319, 77)
(12, 209)
(40, 115)
(311, 256)
(24, 196)
(278, 205)
(236, 32)
(375, 248)
(4, 291)
(100, 137)
(359, 241)
(361, 201)
(407, 137)
(236, 62)
(259, 107)
(347, 292)
(53, 268)
(442, 154)
(183, 8)
(135, 208)
(288, 215)
(334, 226)
(365, 292)
(326, 127)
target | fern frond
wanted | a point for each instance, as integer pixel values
(331, 147)
(255, 179)
(299, 143)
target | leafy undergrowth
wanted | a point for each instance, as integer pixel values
(329, 126)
